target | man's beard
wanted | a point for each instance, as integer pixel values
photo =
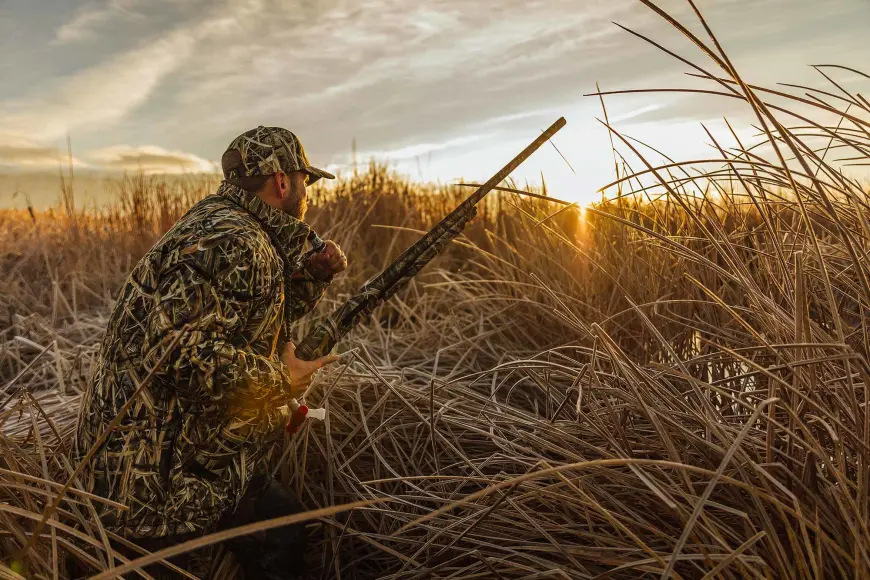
(296, 205)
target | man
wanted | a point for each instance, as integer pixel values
(190, 455)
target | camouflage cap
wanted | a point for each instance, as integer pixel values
(265, 151)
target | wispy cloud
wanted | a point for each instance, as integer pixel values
(412, 151)
(105, 93)
(146, 158)
(90, 17)
(32, 157)
(96, 96)
(465, 82)
(150, 159)
(638, 112)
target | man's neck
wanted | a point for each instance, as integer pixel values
(269, 199)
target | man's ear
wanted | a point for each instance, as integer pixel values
(281, 183)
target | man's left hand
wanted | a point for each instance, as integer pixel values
(323, 265)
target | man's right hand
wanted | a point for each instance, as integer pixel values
(331, 261)
(300, 371)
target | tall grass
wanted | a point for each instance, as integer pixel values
(673, 383)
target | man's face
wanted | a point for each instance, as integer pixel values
(296, 201)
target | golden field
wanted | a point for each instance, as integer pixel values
(670, 383)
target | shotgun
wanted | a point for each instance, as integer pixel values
(323, 337)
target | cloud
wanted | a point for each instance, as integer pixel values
(150, 159)
(404, 78)
(90, 17)
(503, 119)
(99, 95)
(31, 157)
(638, 112)
(412, 151)
(105, 93)
(147, 158)
(389, 71)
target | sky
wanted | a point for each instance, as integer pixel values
(441, 89)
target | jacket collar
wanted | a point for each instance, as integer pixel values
(285, 231)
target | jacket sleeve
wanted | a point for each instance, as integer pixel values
(216, 288)
(305, 293)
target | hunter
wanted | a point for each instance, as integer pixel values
(190, 457)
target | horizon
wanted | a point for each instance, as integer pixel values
(436, 91)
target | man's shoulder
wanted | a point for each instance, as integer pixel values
(217, 213)
(217, 221)
(215, 235)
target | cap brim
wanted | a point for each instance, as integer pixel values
(317, 174)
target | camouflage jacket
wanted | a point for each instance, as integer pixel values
(208, 419)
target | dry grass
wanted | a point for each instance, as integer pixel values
(673, 384)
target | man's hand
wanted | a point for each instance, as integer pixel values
(327, 263)
(300, 371)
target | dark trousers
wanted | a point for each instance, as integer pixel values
(275, 554)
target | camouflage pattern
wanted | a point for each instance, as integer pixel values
(205, 424)
(266, 151)
(323, 338)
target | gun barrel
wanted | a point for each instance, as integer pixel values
(325, 335)
(481, 191)
(475, 197)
